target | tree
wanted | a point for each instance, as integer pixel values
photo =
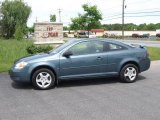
(157, 26)
(14, 13)
(78, 23)
(52, 18)
(112, 26)
(19, 32)
(66, 28)
(142, 27)
(87, 21)
(131, 26)
(30, 29)
(151, 26)
(128, 26)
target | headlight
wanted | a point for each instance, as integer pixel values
(20, 65)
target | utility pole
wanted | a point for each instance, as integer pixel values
(59, 11)
(123, 7)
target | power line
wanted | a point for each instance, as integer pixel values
(152, 9)
(112, 18)
(132, 16)
(114, 7)
(147, 10)
(117, 15)
(143, 12)
(144, 16)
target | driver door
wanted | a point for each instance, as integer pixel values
(83, 62)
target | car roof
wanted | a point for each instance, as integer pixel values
(96, 39)
(75, 41)
(115, 41)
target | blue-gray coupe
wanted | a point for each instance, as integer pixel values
(82, 58)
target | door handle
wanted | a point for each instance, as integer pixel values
(99, 58)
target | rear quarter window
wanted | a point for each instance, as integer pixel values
(115, 47)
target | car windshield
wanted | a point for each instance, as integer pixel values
(61, 47)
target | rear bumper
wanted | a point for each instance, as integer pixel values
(145, 64)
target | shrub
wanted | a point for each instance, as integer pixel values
(33, 49)
(19, 33)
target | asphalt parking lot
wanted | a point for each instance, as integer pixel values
(100, 99)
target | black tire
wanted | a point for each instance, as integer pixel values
(37, 76)
(123, 73)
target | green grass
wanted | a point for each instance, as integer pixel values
(154, 53)
(10, 50)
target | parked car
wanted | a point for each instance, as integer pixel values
(158, 35)
(136, 35)
(86, 34)
(83, 58)
(112, 35)
(147, 35)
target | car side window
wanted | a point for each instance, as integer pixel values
(115, 47)
(79, 49)
(90, 47)
(98, 47)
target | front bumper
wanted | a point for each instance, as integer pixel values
(19, 75)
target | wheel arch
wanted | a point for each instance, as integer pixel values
(130, 62)
(46, 67)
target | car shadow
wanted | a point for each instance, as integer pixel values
(98, 81)
(86, 82)
(77, 83)
(140, 77)
(21, 85)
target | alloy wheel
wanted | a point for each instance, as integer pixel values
(43, 80)
(130, 73)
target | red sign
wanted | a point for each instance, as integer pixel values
(50, 33)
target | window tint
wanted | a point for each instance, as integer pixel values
(115, 47)
(87, 48)
(93, 47)
(79, 49)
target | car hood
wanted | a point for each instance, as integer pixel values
(33, 57)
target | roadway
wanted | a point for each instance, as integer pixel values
(98, 99)
(148, 43)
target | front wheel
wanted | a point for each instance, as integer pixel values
(43, 79)
(129, 73)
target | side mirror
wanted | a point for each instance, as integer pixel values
(67, 54)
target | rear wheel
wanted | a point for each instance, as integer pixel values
(129, 73)
(43, 79)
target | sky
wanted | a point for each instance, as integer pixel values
(111, 10)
